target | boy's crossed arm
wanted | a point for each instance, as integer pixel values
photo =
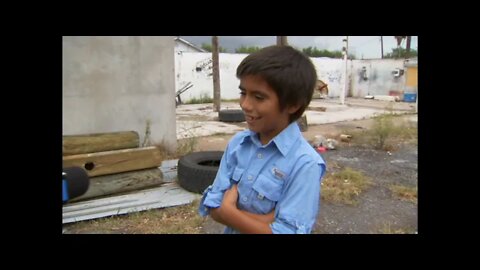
(245, 222)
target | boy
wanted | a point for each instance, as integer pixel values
(269, 176)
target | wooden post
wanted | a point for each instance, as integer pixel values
(111, 162)
(89, 143)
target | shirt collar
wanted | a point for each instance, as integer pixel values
(283, 141)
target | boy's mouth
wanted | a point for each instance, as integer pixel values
(250, 118)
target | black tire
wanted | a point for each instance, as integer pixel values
(231, 116)
(197, 170)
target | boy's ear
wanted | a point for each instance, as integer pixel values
(293, 108)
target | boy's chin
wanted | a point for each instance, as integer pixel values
(253, 128)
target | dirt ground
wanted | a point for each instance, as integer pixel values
(378, 210)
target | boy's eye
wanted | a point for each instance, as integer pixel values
(242, 93)
(259, 97)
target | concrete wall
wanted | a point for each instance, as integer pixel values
(117, 84)
(196, 67)
(377, 77)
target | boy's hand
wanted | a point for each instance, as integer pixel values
(230, 200)
(231, 196)
(229, 203)
(243, 221)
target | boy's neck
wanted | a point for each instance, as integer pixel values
(266, 138)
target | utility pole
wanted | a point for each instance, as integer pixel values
(345, 54)
(282, 41)
(216, 75)
(381, 44)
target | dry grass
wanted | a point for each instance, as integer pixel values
(387, 133)
(173, 220)
(204, 98)
(344, 186)
(186, 146)
(404, 193)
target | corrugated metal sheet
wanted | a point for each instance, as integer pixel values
(167, 195)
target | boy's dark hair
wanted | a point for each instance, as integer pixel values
(288, 71)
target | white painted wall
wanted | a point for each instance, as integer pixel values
(331, 71)
(380, 79)
(118, 83)
(186, 71)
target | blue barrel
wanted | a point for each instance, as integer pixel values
(410, 97)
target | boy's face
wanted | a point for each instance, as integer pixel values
(260, 104)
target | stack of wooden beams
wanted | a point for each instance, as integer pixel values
(114, 162)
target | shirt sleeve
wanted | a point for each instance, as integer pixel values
(297, 210)
(213, 195)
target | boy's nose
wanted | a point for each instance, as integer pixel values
(245, 104)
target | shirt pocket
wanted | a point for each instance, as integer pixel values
(267, 192)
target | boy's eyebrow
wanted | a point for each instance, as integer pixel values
(253, 91)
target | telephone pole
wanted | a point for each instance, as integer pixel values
(282, 40)
(345, 54)
(381, 44)
(216, 75)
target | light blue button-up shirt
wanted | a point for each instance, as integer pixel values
(284, 175)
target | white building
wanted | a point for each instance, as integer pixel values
(181, 45)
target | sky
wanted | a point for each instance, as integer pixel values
(363, 47)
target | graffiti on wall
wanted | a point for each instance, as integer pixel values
(334, 76)
(205, 66)
(364, 74)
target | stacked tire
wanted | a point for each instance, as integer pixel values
(231, 116)
(197, 170)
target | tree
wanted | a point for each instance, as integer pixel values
(401, 53)
(208, 48)
(409, 39)
(399, 42)
(244, 49)
(314, 52)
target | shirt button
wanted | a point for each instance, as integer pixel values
(250, 177)
(244, 199)
(259, 155)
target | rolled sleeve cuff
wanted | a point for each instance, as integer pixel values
(287, 227)
(210, 199)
